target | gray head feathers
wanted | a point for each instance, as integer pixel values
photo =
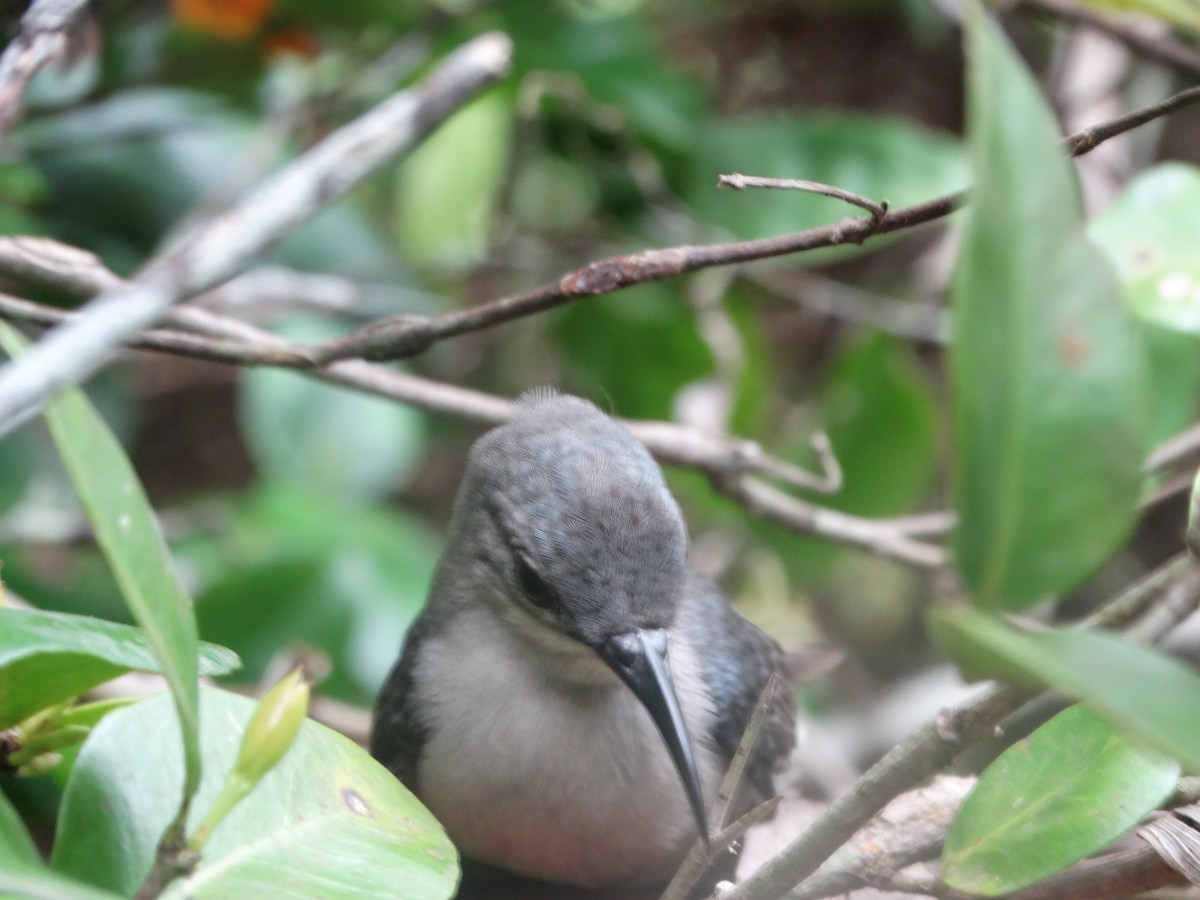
(588, 533)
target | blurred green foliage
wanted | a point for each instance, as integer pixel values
(300, 514)
(607, 138)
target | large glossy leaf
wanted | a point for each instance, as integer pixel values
(327, 815)
(1068, 790)
(49, 657)
(1134, 686)
(1048, 374)
(128, 533)
(1151, 233)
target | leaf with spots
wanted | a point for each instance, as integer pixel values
(1150, 233)
(1066, 791)
(328, 820)
(1049, 406)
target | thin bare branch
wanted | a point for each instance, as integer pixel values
(739, 182)
(45, 35)
(405, 336)
(703, 853)
(218, 248)
(1109, 877)
(728, 461)
(1164, 49)
(1090, 138)
(931, 748)
(772, 504)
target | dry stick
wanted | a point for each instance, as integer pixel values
(1109, 877)
(1167, 50)
(410, 335)
(727, 461)
(44, 36)
(404, 336)
(220, 247)
(739, 182)
(911, 829)
(931, 748)
(1090, 138)
(703, 853)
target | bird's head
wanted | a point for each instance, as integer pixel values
(569, 519)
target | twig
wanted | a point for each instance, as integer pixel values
(1109, 877)
(1174, 450)
(404, 336)
(908, 830)
(739, 182)
(44, 36)
(919, 756)
(1165, 49)
(703, 853)
(1090, 138)
(218, 248)
(724, 459)
(911, 762)
(770, 503)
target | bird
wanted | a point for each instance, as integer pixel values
(570, 695)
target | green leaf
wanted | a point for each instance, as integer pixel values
(881, 416)
(348, 445)
(22, 872)
(1139, 689)
(870, 155)
(46, 885)
(1174, 376)
(1048, 373)
(1150, 233)
(49, 657)
(17, 850)
(616, 60)
(327, 814)
(1068, 790)
(128, 533)
(653, 325)
(450, 184)
(294, 567)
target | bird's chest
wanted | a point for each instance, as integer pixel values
(562, 782)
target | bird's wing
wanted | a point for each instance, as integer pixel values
(397, 731)
(737, 660)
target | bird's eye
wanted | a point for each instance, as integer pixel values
(534, 585)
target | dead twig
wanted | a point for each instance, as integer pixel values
(739, 182)
(45, 35)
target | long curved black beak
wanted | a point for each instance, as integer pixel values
(640, 660)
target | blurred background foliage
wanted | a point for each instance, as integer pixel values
(301, 514)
